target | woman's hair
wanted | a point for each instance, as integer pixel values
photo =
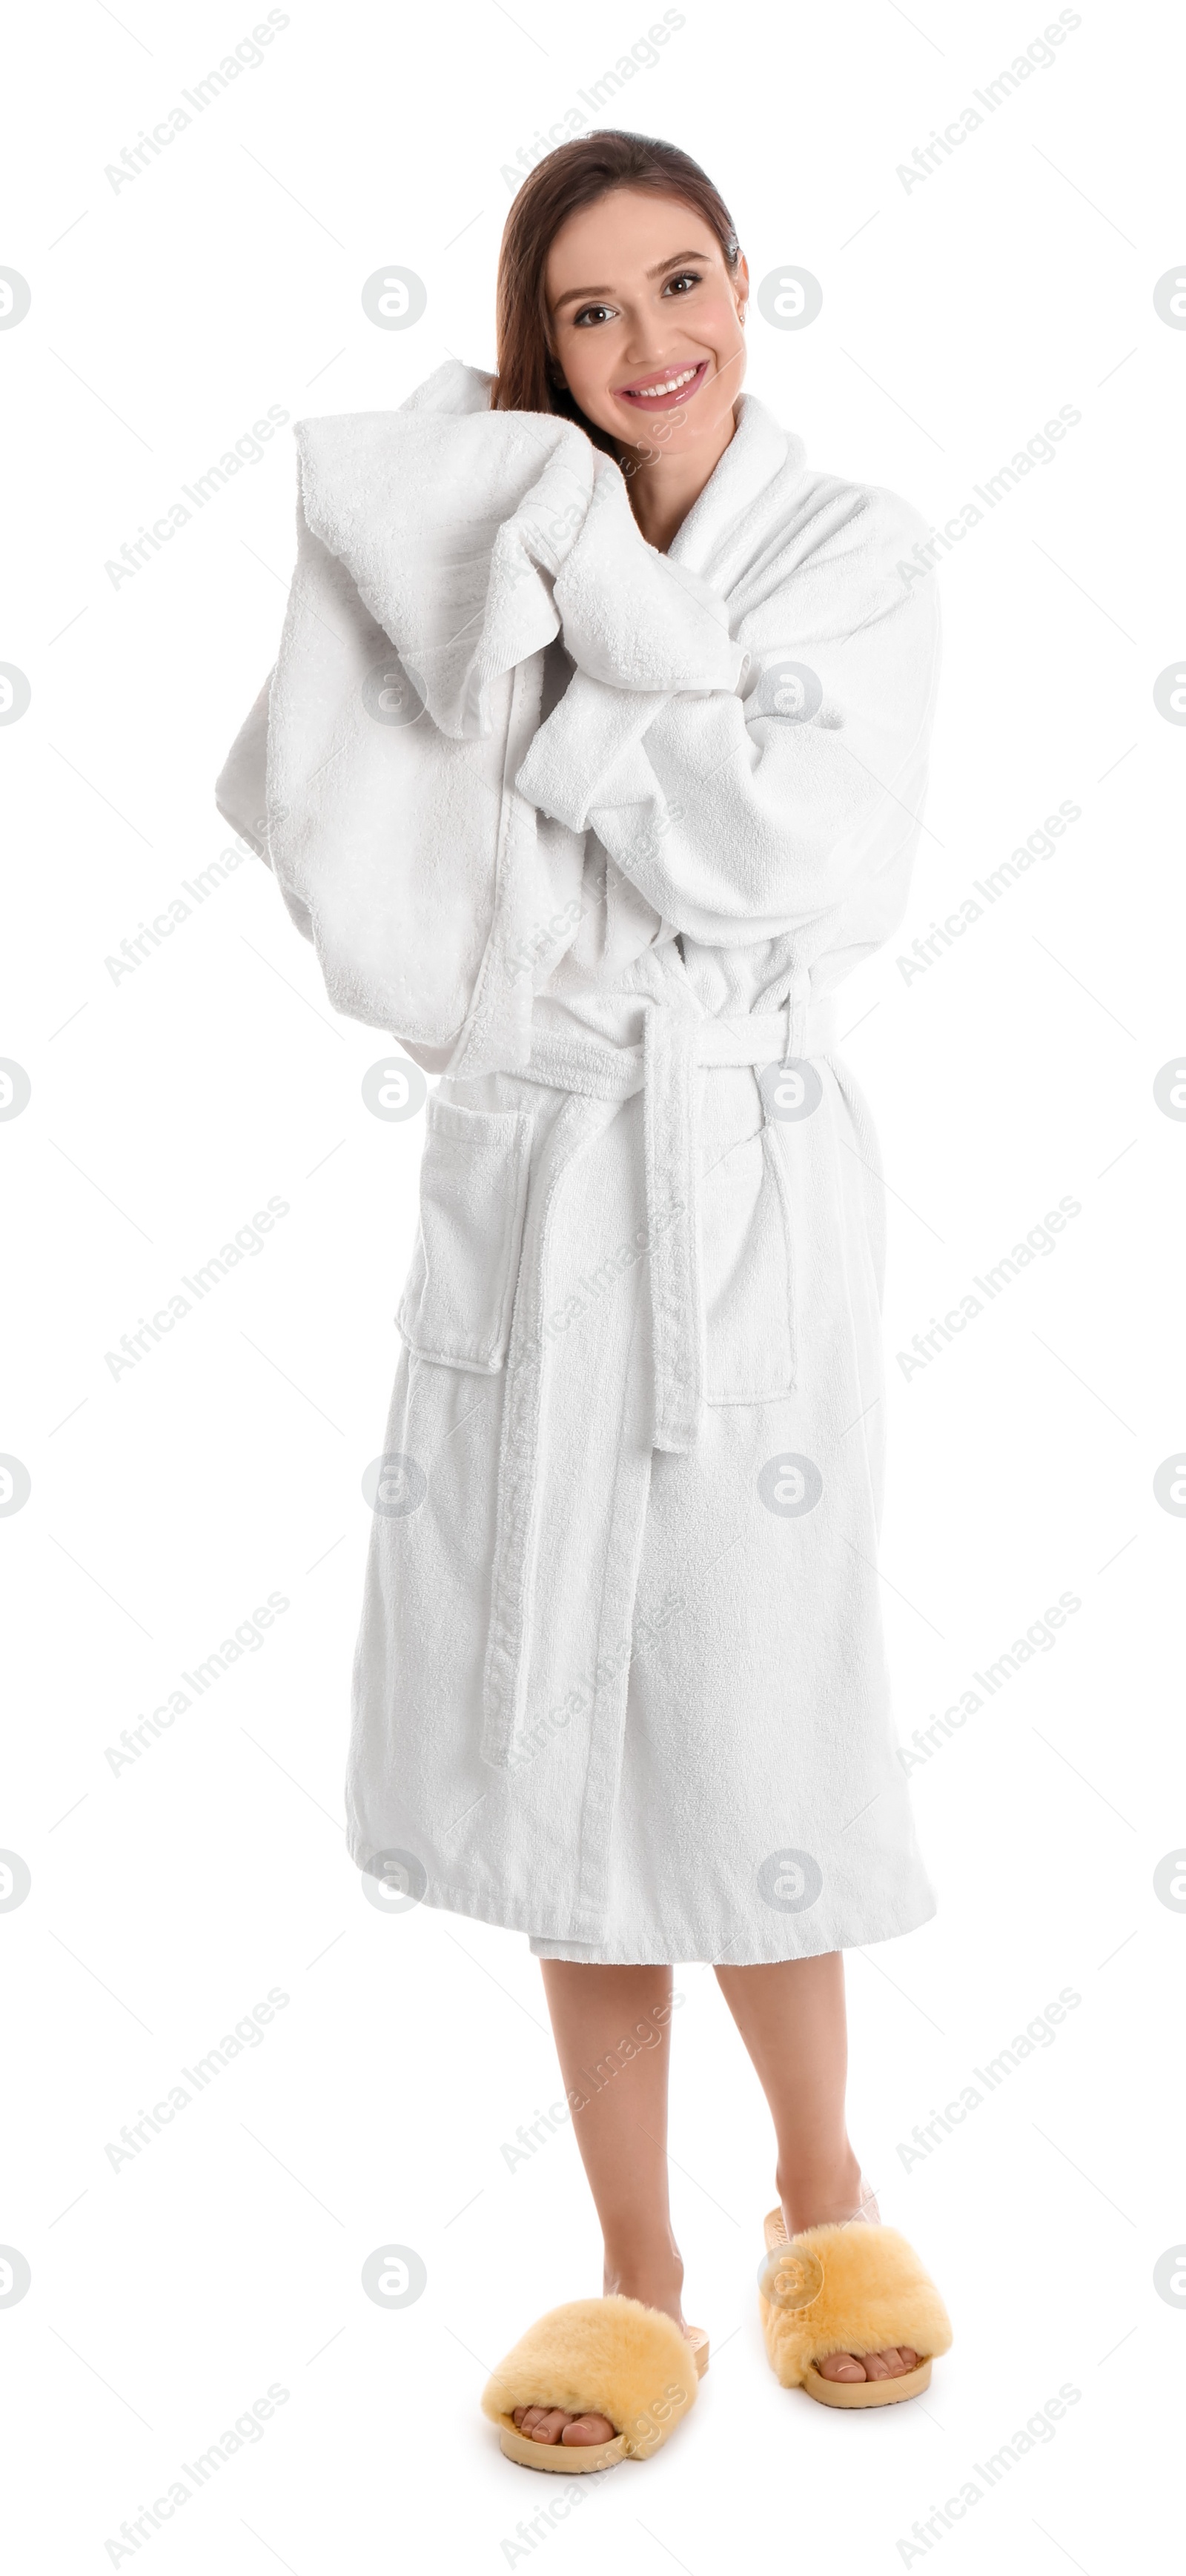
(576, 175)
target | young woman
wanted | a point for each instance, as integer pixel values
(593, 760)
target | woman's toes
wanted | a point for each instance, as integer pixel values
(540, 2423)
(888, 2364)
(587, 2428)
(551, 2424)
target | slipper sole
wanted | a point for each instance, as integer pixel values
(866, 2392)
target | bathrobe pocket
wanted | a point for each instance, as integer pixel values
(460, 1291)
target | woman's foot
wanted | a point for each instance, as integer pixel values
(842, 2197)
(659, 2289)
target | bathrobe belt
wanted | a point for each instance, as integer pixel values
(677, 1042)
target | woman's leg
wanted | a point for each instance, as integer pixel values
(599, 2016)
(791, 2017)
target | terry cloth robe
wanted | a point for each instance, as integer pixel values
(595, 832)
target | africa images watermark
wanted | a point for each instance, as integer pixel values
(1040, 449)
(646, 2033)
(246, 2430)
(1040, 2427)
(646, 2428)
(138, 553)
(1039, 56)
(1041, 845)
(557, 2508)
(247, 57)
(135, 1741)
(613, 1265)
(642, 57)
(136, 950)
(249, 1240)
(540, 941)
(1040, 1638)
(1041, 2032)
(1041, 1240)
(537, 1733)
(247, 2033)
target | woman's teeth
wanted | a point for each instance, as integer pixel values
(650, 393)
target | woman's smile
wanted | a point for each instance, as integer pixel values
(658, 392)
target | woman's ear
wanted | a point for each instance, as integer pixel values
(741, 282)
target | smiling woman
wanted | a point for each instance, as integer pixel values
(593, 760)
(621, 301)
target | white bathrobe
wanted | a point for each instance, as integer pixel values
(595, 832)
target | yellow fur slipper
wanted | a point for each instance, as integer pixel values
(611, 2357)
(848, 2288)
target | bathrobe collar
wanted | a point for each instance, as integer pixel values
(757, 452)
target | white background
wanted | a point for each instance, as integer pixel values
(167, 1898)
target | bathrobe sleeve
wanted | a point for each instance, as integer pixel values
(747, 809)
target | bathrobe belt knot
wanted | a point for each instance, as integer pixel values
(678, 1040)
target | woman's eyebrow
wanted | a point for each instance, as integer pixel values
(581, 294)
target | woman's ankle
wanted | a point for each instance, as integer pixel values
(652, 2274)
(819, 2194)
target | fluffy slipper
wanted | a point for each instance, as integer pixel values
(847, 2289)
(611, 2357)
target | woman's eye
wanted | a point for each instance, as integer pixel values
(687, 277)
(589, 313)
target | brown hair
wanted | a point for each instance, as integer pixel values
(572, 177)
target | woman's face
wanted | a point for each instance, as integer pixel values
(646, 322)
